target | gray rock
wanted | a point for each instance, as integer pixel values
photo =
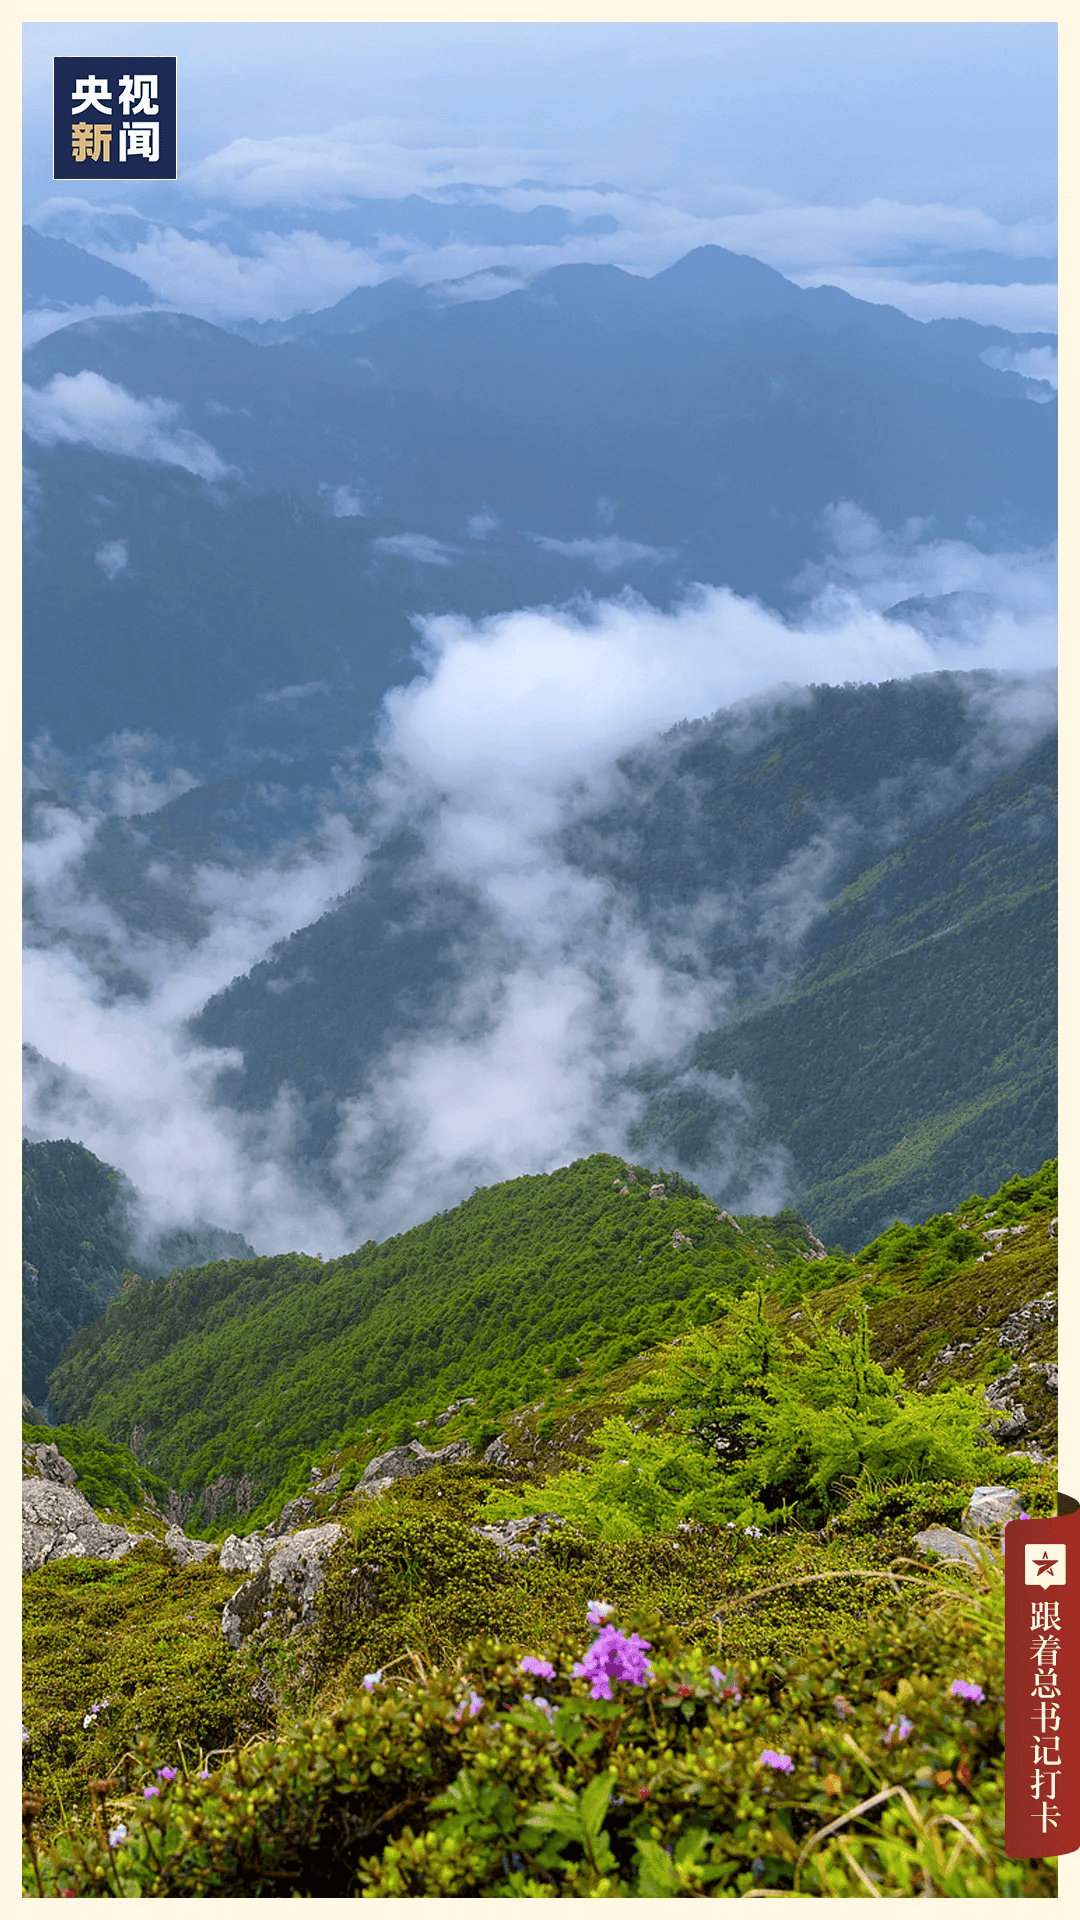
(293, 1514)
(1010, 1418)
(949, 1544)
(400, 1463)
(441, 1419)
(60, 1524)
(990, 1507)
(498, 1454)
(184, 1551)
(245, 1556)
(50, 1463)
(285, 1588)
(521, 1537)
(448, 1456)
(1016, 1332)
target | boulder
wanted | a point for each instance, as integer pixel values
(59, 1523)
(49, 1463)
(245, 1556)
(184, 1551)
(404, 1463)
(949, 1544)
(285, 1588)
(498, 1454)
(293, 1514)
(990, 1507)
(521, 1537)
(1010, 1417)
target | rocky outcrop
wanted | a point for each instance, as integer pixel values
(58, 1523)
(520, 1538)
(403, 1463)
(1010, 1417)
(1016, 1332)
(293, 1514)
(499, 1453)
(247, 1555)
(986, 1514)
(46, 1462)
(441, 1419)
(187, 1552)
(284, 1590)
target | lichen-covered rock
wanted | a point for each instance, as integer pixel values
(184, 1551)
(991, 1507)
(404, 1463)
(950, 1545)
(46, 1462)
(293, 1514)
(285, 1588)
(1010, 1416)
(58, 1523)
(521, 1537)
(245, 1556)
(498, 1454)
(399, 1463)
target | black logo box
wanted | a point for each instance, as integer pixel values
(95, 136)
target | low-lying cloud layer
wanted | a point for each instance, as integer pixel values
(508, 737)
(291, 193)
(98, 413)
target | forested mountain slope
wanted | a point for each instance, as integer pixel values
(245, 1366)
(873, 871)
(81, 1231)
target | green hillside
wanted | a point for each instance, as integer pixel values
(914, 1051)
(81, 1233)
(537, 1290)
(248, 1365)
(404, 1750)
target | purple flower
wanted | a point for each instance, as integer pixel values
(149, 1792)
(899, 1730)
(542, 1668)
(474, 1703)
(780, 1762)
(967, 1690)
(166, 1773)
(205, 1774)
(117, 1834)
(614, 1656)
(373, 1679)
(598, 1611)
(726, 1683)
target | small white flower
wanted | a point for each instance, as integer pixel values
(117, 1834)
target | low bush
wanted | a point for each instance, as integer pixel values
(618, 1763)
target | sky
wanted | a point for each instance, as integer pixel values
(913, 164)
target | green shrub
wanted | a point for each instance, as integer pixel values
(484, 1780)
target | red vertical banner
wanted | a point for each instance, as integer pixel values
(1042, 1686)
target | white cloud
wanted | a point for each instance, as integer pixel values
(361, 160)
(39, 322)
(134, 1086)
(87, 408)
(287, 695)
(509, 737)
(350, 502)
(1018, 308)
(480, 526)
(1035, 363)
(285, 274)
(415, 546)
(610, 554)
(863, 247)
(112, 558)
